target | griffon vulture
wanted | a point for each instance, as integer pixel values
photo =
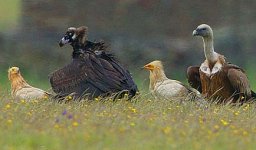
(161, 86)
(216, 78)
(93, 71)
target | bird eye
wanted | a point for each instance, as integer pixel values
(70, 33)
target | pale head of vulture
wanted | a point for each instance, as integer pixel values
(154, 65)
(156, 70)
(203, 30)
(13, 72)
(74, 34)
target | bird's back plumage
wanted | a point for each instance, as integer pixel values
(92, 72)
(170, 88)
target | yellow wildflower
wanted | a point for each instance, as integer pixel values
(8, 106)
(245, 133)
(132, 124)
(75, 124)
(22, 101)
(69, 98)
(224, 123)
(126, 95)
(166, 130)
(45, 97)
(133, 110)
(56, 126)
(236, 113)
(9, 121)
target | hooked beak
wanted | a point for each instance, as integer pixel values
(63, 41)
(148, 67)
(195, 33)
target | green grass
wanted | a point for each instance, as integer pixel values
(144, 123)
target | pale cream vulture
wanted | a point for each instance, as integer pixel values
(21, 90)
(215, 78)
(161, 86)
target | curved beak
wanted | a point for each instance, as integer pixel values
(148, 67)
(195, 33)
(63, 41)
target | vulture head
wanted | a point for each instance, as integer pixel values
(154, 65)
(74, 34)
(13, 72)
(203, 30)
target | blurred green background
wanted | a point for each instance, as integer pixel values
(139, 31)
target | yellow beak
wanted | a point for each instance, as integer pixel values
(149, 67)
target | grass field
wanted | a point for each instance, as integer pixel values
(144, 123)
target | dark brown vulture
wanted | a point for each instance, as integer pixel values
(215, 78)
(93, 71)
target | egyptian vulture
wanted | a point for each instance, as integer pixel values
(93, 71)
(161, 86)
(21, 90)
(215, 78)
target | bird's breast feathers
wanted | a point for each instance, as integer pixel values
(29, 93)
(210, 72)
(169, 88)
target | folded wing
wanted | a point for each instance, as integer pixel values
(90, 75)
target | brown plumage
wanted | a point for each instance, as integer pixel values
(216, 78)
(21, 89)
(161, 86)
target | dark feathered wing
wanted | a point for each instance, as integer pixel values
(93, 75)
(129, 83)
(193, 77)
(239, 81)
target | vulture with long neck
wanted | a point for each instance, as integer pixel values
(162, 87)
(217, 79)
(93, 72)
